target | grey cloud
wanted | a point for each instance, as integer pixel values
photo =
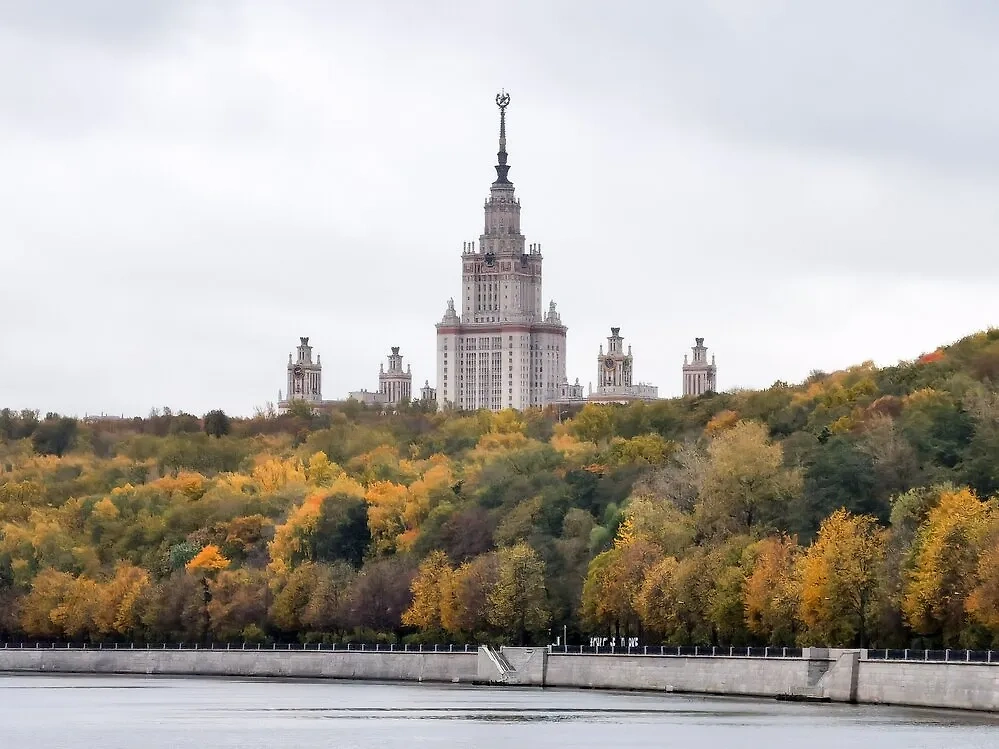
(102, 21)
(188, 187)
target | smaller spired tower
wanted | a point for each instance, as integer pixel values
(305, 377)
(427, 393)
(699, 377)
(395, 386)
(615, 375)
(614, 368)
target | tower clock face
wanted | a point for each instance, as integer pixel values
(609, 363)
(297, 370)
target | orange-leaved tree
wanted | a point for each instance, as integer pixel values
(771, 592)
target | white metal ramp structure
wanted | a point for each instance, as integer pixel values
(512, 665)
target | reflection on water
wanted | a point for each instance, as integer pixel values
(74, 712)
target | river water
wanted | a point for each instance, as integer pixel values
(126, 712)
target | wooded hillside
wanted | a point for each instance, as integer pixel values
(855, 508)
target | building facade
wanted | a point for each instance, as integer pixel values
(304, 377)
(699, 376)
(615, 375)
(503, 350)
(428, 394)
(395, 385)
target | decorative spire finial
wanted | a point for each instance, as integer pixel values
(502, 101)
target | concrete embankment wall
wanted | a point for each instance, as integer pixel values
(965, 686)
(743, 676)
(380, 666)
(835, 675)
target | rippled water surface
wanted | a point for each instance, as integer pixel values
(124, 712)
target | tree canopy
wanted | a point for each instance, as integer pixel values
(858, 507)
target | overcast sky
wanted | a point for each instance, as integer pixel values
(186, 188)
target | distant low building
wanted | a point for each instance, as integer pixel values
(570, 393)
(367, 397)
(395, 386)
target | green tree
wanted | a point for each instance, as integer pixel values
(342, 531)
(217, 424)
(54, 436)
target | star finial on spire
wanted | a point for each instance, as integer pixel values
(502, 101)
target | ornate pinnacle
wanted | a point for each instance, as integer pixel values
(502, 101)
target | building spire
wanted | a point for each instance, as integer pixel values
(502, 101)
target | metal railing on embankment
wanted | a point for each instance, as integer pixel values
(241, 646)
(675, 651)
(935, 656)
(670, 651)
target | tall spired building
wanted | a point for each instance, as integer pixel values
(504, 350)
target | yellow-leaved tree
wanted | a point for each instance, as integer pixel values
(117, 612)
(983, 602)
(745, 483)
(276, 473)
(320, 470)
(387, 503)
(518, 602)
(841, 580)
(431, 587)
(207, 561)
(658, 601)
(945, 560)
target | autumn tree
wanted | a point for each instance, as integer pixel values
(771, 590)
(238, 604)
(944, 565)
(207, 561)
(386, 513)
(49, 589)
(518, 602)
(982, 603)
(841, 577)
(745, 483)
(206, 565)
(117, 612)
(465, 603)
(613, 583)
(173, 609)
(327, 609)
(594, 423)
(430, 587)
(660, 522)
(660, 604)
(292, 596)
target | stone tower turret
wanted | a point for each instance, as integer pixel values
(304, 376)
(699, 376)
(395, 385)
